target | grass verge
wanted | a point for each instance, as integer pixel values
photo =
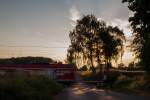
(14, 87)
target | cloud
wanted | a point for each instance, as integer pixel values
(122, 24)
(100, 19)
(74, 15)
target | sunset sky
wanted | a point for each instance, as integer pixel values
(41, 27)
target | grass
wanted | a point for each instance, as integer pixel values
(126, 82)
(28, 88)
(135, 84)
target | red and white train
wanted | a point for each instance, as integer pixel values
(58, 72)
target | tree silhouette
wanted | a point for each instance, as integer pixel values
(140, 23)
(112, 39)
(70, 54)
(93, 41)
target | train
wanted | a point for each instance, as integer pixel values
(58, 72)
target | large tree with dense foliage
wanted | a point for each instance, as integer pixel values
(140, 23)
(93, 41)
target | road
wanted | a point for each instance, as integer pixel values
(81, 91)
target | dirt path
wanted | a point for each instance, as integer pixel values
(82, 91)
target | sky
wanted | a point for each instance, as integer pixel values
(41, 27)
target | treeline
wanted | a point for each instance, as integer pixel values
(27, 60)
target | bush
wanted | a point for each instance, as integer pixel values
(137, 83)
(28, 88)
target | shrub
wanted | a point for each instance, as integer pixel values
(28, 88)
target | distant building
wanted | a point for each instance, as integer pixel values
(58, 72)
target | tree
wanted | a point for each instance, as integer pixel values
(140, 23)
(83, 68)
(131, 66)
(82, 39)
(93, 41)
(112, 39)
(70, 58)
(27, 60)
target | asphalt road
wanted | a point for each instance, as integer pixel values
(82, 91)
